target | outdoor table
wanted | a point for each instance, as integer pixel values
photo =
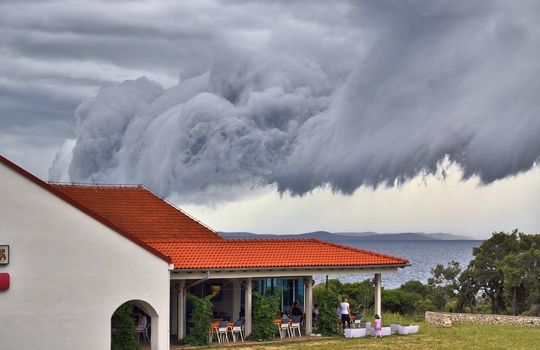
(278, 321)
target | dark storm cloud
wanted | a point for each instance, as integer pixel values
(296, 94)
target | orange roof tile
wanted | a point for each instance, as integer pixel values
(140, 213)
(265, 253)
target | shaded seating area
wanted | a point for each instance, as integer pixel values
(233, 294)
(222, 330)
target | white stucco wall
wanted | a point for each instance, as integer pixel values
(69, 273)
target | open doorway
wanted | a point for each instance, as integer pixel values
(134, 322)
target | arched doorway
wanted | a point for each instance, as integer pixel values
(129, 312)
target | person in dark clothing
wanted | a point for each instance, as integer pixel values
(297, 311)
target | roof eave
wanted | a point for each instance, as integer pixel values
(278, 271)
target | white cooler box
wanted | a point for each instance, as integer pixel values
(355, 332)
(408, 329)
(365, 324)
(394, 328)
(384, 331)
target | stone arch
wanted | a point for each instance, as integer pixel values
(151, 312)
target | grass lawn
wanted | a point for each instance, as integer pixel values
(460, 336)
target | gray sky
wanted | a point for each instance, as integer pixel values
(285, 116)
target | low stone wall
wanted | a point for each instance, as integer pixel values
(440, 319)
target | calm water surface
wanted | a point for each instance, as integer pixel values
(422, 255)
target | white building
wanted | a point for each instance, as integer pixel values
(76, 253)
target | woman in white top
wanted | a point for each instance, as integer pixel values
(345, 313)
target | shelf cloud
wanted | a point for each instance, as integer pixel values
(375, 95)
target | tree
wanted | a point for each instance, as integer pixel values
(444, 283)
(487, 266)
(530, 262)
(531, 278)
(361, 295)
(467, 292)
(521, 278)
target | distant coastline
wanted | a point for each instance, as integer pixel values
(352, 236)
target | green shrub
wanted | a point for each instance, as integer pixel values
(202, 323)
(397, 300)
(328, 304)
(265, 309)
(415, 287)
(126, 337)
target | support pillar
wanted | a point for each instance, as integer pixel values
(236, 298)
(309, 304)
(378, 294)
(181, 317)
(249, 303)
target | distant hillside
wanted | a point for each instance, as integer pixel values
(350, 236)
(439, 236)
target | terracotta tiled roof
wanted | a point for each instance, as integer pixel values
(271, 253)
(139, 212)
(161, 228)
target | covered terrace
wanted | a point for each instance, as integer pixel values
(236, 268)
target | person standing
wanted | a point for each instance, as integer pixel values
(378, 331)
(345, 313)
(315, 315)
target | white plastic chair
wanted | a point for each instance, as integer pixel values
(284, 328)
(144, 333)
(237, 329)
(295, 325)
(357, 320)
(213, 333)
(223, 332)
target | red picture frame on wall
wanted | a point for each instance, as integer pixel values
(4, 281)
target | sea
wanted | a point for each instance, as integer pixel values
(422, 255)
